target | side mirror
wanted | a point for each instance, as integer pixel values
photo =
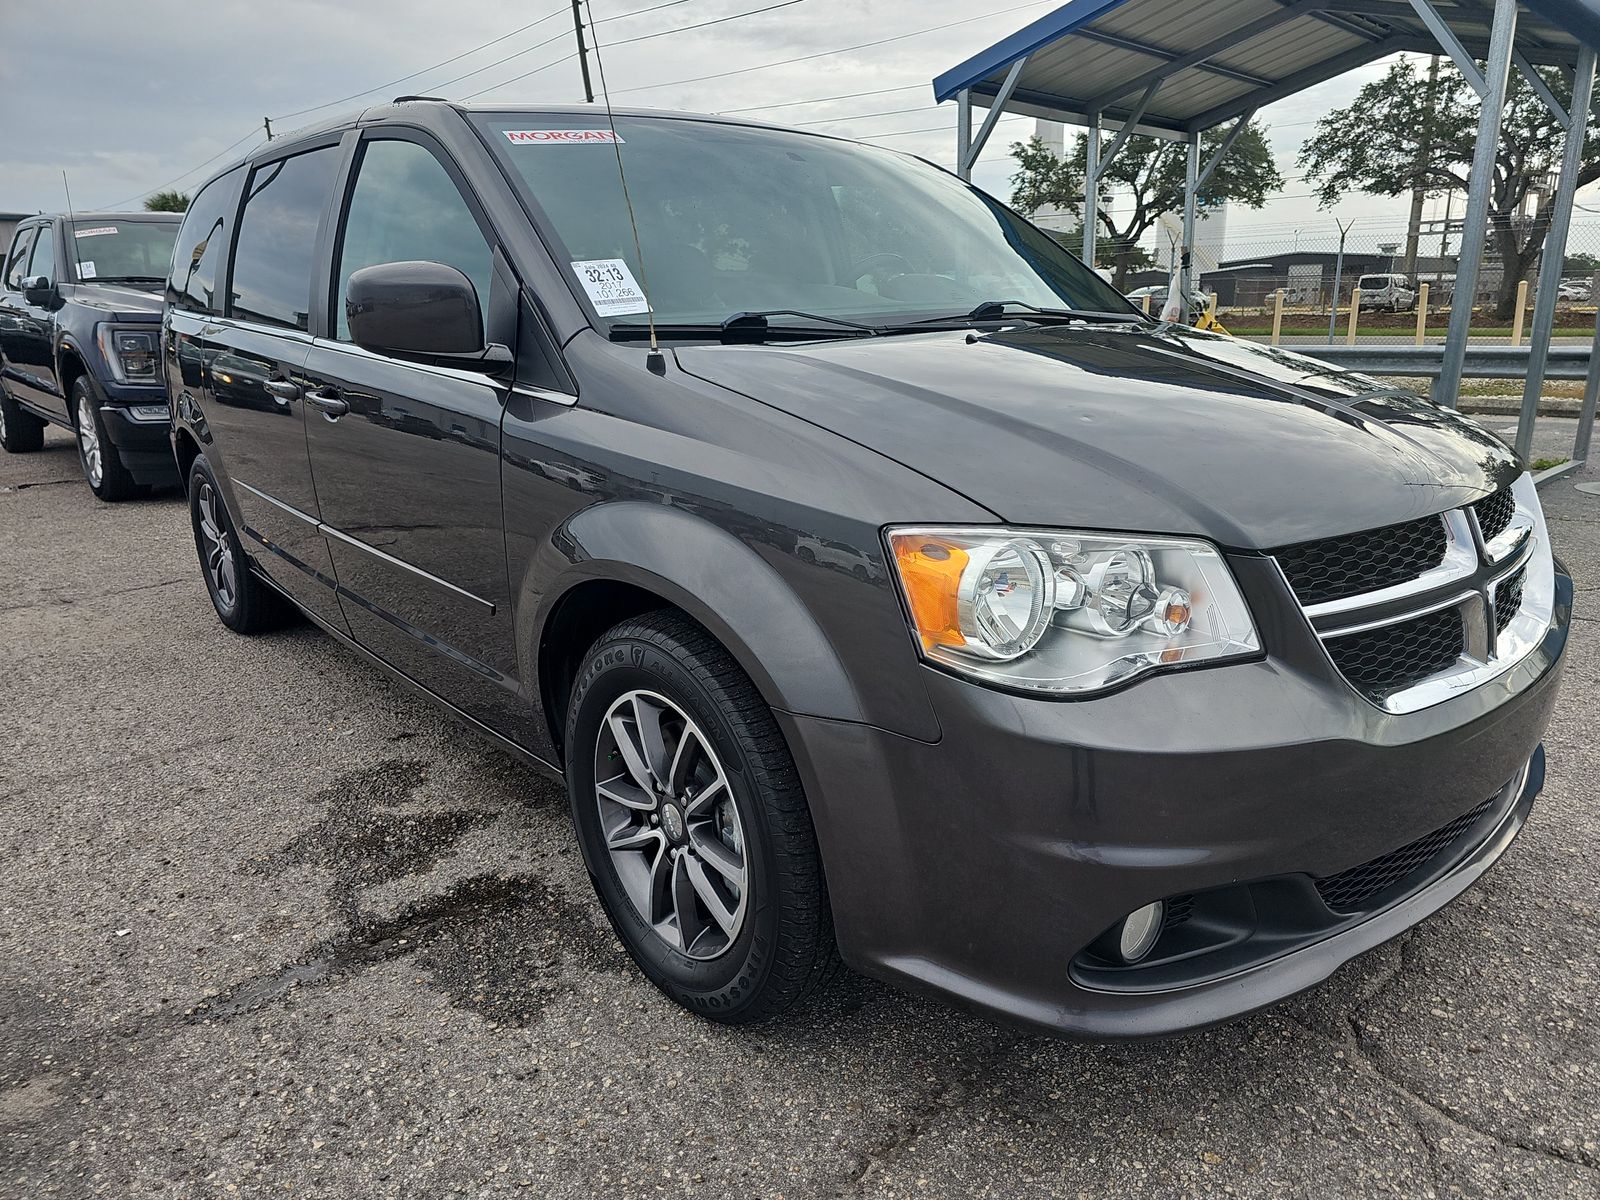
(425, 311)
(36, 289)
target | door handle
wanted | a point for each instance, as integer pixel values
(333, 405)
(282, 389)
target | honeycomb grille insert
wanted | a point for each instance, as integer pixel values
(1334, 568)
(1508, 599)
(1495, 513)
(1353, 890)
(1382, 661)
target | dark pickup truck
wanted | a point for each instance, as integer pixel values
(80, 320)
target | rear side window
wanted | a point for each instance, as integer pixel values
(201, 244)
(17, 262)
(275, 249)
(44, 254)
(405, 207)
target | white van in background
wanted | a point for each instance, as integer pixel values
(1393, 292)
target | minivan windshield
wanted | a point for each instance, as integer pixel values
(127, 251)
(737, 219)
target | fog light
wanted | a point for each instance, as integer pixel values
(1139, 931)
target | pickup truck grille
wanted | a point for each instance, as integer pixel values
(1334, 568)
(1380, 660)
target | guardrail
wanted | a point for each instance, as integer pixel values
(1483, 362)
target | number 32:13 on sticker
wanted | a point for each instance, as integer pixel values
(610, 287)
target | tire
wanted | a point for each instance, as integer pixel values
(779, 947)
(20, 431)
(102, 465)
(244, 603)
(806, 555)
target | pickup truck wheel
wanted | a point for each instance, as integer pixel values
(102, 465)
(693, 825)
(20, 432)
(244, 602)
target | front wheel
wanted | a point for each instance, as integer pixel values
(102, 465)
(693, 825)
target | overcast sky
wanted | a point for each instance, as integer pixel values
(135, 96)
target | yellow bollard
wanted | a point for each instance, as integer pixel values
(1422, 313)
(1145, 301)
(1277, 316)
(1516, 321)
(1355, 311)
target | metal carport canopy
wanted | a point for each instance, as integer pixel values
(1214, 60)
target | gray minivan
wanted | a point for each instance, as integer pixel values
(884, 587)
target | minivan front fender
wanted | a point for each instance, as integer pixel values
(718, 580)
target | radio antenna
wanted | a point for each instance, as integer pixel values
(655, 361)
(72, 230)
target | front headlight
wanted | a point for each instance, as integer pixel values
(131, 352)
(1065, 612)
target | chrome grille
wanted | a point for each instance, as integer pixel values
(1383, 660)
(1334, 568)
(1508, 599)
(1495, 512)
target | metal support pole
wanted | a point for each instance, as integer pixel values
(1091, 187)
(1191, 186)
(1554, 254)
(1338, 277)
(963, 132)
(1481, 181)
(1591, 390)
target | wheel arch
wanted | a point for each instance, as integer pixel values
(618, 560)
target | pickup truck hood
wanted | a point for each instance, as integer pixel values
(124, 301)
(1131, 429)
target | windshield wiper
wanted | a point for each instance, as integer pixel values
(126, 279)
(751, 327)
(995, 310)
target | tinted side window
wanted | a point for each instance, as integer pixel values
(275, 248)
(201, 244)
(406, 207)
(18, 259)
(44, 254)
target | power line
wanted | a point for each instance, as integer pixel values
(827, 53)
(432, 67)
(754, 12)
(820, 100)
(163, 187)
(892, 112)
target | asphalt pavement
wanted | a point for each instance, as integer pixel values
(272, 927)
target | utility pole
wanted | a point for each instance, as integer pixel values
(267, 121)
(1338, 276)
(583, 50)
(1419, 188)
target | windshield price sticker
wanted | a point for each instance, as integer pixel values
(86, 269)
(97, 231)
(557, 137)
(611, 287)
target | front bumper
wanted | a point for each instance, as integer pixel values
(983, 866)
(144, 443)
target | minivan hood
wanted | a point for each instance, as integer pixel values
(124, 301)
(1131, 429)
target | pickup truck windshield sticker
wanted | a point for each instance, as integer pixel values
(97, 231)
(547, 137)
(611, 287)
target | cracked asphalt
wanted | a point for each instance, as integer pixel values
(272, 927)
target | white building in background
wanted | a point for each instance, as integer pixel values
(1057, 220)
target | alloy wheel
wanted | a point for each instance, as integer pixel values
(89, 442)
(671, 825)
(215, 548)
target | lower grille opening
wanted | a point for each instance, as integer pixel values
(1352, 890)
(1381, 661)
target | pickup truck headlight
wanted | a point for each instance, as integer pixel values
(130, 351)
(1063, 612)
